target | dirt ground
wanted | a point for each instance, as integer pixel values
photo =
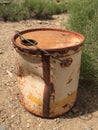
(13, 116)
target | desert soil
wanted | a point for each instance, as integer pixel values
(13, 115)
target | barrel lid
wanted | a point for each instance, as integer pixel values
(49, 39)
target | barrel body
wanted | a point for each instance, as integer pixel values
(48, 87)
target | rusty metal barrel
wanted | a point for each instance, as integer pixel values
(48, 82)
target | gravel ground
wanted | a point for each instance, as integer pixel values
(13, 116)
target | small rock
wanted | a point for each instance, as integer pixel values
(1, 108)
(12, 116)
(0, 65)
(57, 120)
(1, 52)
(28, 125)
(9, 73)
(3, 119)
(38, 119)
(39, 22)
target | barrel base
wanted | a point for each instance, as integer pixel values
(40, 113)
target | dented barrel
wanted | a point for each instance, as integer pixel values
(48, 82)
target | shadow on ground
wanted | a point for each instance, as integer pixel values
(86, 103)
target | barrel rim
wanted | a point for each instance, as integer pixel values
(34, 50)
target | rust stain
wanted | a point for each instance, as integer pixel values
(19, 70)
(65, 51)
(47, 88)
(70, 77)
(66, 105)
(75, 48)
(69, 81)
(66, 62)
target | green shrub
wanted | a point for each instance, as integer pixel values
(31, 9)
(12, 12)
(44, 8)
(84, 19)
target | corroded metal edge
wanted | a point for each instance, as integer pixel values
(34, 50)
(47, 89)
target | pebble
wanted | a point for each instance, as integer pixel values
(86, 116)
(0, 65)
(56, 128)
(1, 108)
(1, 52)
(39, 119)
(95, 114)
(39, 22)
(3, 119)
(9, 73)
(57, 120)
(28, 125)
(12, 116)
